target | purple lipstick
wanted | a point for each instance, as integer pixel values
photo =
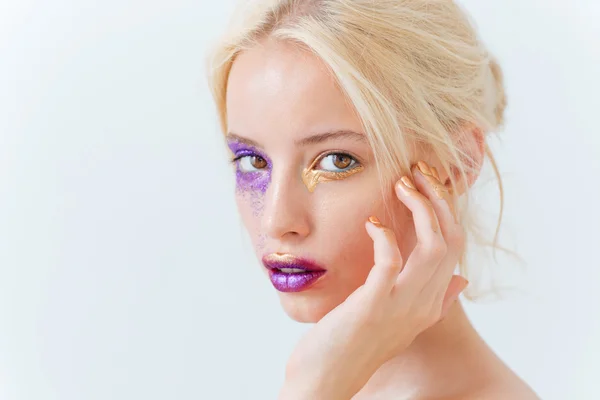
(291, 274)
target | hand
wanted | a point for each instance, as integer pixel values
(397, 302)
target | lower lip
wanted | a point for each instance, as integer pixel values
(287, 282)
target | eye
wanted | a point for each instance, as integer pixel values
(251, 163)
(336, 162)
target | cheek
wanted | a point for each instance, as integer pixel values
(250, 205)
(341, 229)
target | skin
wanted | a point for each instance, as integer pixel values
(278, 96)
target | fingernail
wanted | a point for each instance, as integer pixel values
(441, 191)
(424, 168)
(408, 182)
(435, 173)
(406, 186)
(375, 221)
(430, 176)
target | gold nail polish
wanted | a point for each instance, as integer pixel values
(436, 174)
(375, 221)
(408, 182)
(439, 189)
(402, 186)
(424, 168)
(442, 193)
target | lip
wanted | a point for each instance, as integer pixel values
(292, 282)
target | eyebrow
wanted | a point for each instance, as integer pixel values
(309, 140)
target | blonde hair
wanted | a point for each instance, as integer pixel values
(414, 70)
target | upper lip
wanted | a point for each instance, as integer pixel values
(276, 261)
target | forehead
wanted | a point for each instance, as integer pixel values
(280, 88)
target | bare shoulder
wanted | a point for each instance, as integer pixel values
(499, 383)
(514, 389)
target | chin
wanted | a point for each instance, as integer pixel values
(306, 308)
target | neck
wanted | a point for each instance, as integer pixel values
(440, 357)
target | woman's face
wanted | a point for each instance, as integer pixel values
(306, 179)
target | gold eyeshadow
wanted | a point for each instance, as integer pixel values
(311, 176)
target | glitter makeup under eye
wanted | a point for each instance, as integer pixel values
(255, 180)
(311, 176)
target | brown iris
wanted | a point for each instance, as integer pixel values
(341, 161)
(258, 162)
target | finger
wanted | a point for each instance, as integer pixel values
(435, 173)
(453, 233)
(427, 225)
(427, 181)
(430, 248)
(387, 257)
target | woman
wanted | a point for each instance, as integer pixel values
(356, 128)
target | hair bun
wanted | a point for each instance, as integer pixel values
(499, 100)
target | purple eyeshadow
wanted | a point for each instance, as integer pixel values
(251, 181)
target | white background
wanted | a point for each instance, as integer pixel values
(124, 269)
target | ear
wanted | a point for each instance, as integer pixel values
(470, 142)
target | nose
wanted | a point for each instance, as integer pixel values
(286, 212)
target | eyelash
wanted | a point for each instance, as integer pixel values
(322, 156)
(240, 156)
(316, 161)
